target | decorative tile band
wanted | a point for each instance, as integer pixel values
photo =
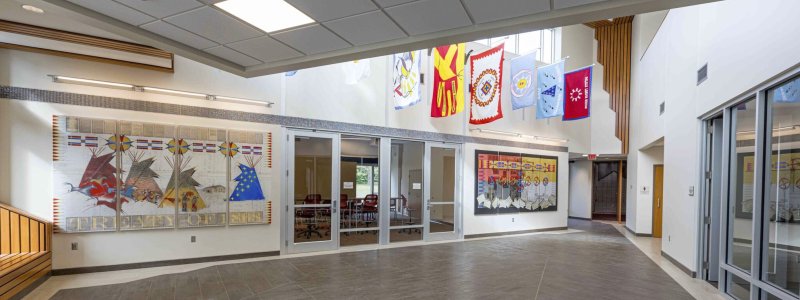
(56, 97)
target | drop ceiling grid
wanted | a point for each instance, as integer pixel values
(338, 24)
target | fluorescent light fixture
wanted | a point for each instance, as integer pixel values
(585, 155)
(83, 81)
(550, 139)
(506, 133)
(267, 15)
(173, 92)
(241, 100)
(65, 79)
(779, 129)
(495, 132)
(33, 9)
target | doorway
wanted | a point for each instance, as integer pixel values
(348, 190)
(313, 180)
(658, 199)
(712, 200)
(608, 190)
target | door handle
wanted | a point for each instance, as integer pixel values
(334, 206)
(658, 202)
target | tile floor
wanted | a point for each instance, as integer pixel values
(591, 260)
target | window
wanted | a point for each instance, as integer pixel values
(742, 182)
(524, 43)
(782, 189)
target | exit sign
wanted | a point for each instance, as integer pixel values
(592, 156)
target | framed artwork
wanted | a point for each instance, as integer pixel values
(114, 175)
(515, 182)
(250, 177)
(199, 188)
(85, 177)
(147, 168)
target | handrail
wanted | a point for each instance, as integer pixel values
(24, 213)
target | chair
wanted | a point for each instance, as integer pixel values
(344, 209)
(407, 212)
(371, 206)
(308, 215)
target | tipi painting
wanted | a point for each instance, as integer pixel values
(199, 191)
(85, 176)
(249, 174)
(145, 174)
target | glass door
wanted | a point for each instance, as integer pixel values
(442, 213)
(313, 177)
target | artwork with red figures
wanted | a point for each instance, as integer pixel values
(515, 182)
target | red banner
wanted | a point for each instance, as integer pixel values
(577, 94)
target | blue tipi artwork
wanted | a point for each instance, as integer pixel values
(248, 186)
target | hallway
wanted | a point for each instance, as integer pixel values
(595, 261)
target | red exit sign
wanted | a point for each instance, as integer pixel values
(592, 156)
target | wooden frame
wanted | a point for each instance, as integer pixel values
(25, 251)
(85, 40)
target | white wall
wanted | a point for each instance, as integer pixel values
(30, 177)
(580, 189)
(740, 55)
(479, 224)
(319, 93)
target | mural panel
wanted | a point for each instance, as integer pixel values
(514, 182)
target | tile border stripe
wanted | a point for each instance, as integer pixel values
(162, 263)
(56, 97)
(474, 236)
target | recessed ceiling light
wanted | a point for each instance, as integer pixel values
(267, 15)
(32, 8)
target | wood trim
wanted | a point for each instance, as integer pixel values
(614, 53)
(87, 57)
(78, 38)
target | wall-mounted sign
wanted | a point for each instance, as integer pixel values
(416, 186)
(348, 185)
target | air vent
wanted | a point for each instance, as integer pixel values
(661, 108)
(702, 74)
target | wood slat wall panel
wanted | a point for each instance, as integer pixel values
(614, 53)
(5, 231)
(25, 242)
(14, 233)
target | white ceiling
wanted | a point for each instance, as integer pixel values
(345, 29)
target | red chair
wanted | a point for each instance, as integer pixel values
(371, 205)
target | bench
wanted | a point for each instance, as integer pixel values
(25, 252)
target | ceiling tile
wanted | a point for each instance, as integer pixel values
(488, 11)
(213, 25)
(162, 8)
(559, 4)
(387, 3)
(265, 48)
(116, 11)
(312, 39)
(367, 28)
(233, 56)
(169, 31)
(430, 16)
(327, 10)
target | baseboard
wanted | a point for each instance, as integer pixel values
(579, 218)
(638, 234)
(679, 265)
(24, 292)
(473, 236)
(162, 263)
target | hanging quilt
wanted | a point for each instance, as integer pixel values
(405, 79)
(522, 81)
(448, 88)
(551, 91)
(486, 77)
(578, 86)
